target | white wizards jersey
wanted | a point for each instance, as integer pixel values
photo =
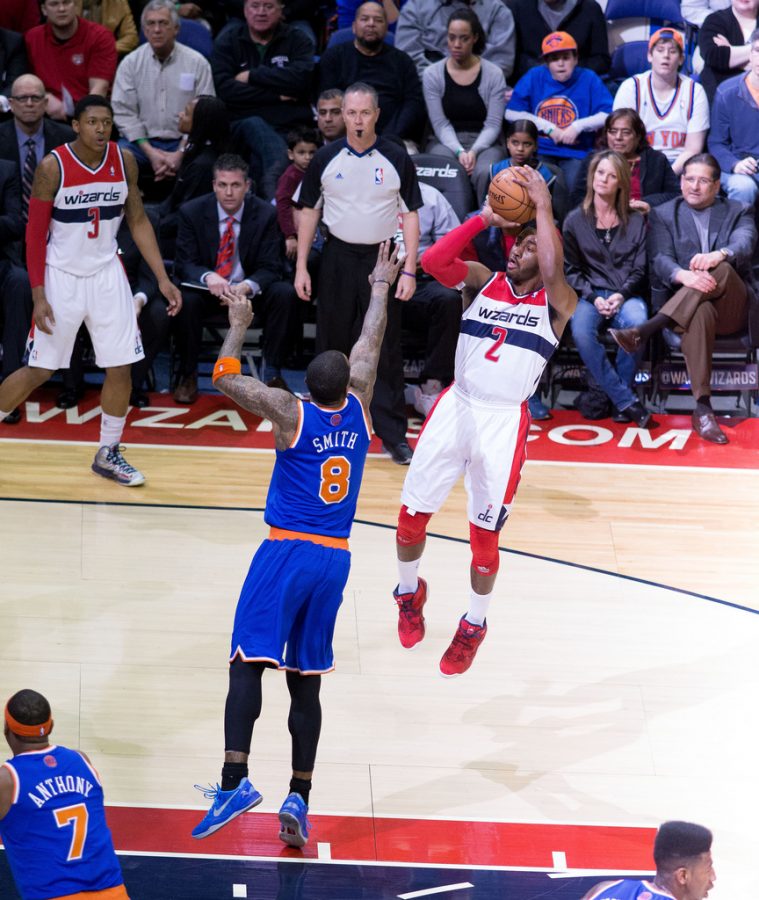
(87, 211)
(504, 344)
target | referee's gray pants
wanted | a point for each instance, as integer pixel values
(342, 302)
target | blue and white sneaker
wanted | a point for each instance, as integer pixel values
(227, 805)
(110, 463)
(293, 824)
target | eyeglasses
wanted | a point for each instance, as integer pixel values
(693, 181)
(28, 98)
(621, 132)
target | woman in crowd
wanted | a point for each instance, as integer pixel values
(652, 180)
(723, 42)
(605, 254)
(465, 97)
(522, 147)
(205, 121)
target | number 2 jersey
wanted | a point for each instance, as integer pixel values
(315, 483)
(87, 211)
(504, 344)
(55, 833)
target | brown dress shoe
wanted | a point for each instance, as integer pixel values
(627, 338)
(706, 427)
(187, 390)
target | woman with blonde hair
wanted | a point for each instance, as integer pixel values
(605, 254)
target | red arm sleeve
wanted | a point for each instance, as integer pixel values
(40, 213)
(442, 259)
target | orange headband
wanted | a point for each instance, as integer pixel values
(23, 731)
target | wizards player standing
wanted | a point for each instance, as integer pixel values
(52, 818)
(286, 613)
(80, 194)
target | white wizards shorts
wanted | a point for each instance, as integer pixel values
(487, 443)
(103, 301)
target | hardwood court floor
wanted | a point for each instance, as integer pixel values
(594, 699)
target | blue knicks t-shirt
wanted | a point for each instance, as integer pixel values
(315, 483)
(55, 833)
(628, 889)
(562, 103)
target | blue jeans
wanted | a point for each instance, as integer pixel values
(569, 165)
(167, 144)
(741, 187)
(267, 153)
(614, 380)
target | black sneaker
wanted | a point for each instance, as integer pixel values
(636, 412)
(399, 453)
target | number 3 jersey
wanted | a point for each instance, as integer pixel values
(55, 833)
(87, 211)
(505, 342)
(315, 483)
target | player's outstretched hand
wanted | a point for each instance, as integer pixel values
(492, 218)
(534, 183)
(387, 266)
(172, 294)
(240, 309)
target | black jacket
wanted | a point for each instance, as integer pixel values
(12, 59)
(658, 183)
(717, 59)
(54, 134)
(259, 245)
(284, 71)
(586, 24)
(391, 73)
(591, 266)
(11, 223)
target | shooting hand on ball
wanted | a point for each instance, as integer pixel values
(492, 218)
(534, 184)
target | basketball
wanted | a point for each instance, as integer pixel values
(508, 198)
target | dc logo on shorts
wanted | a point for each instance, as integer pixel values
(379, 176)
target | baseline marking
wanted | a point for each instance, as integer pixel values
(438, 890)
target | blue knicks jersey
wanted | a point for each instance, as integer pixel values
(315, 483)
(628, 889)
(55, 833)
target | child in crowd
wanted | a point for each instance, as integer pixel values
(522, 144)
(302, 144)
(566, 102)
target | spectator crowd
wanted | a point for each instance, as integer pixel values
(236, 112)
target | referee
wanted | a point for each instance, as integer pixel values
(360, 185)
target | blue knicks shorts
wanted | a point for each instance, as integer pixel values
(288, 605)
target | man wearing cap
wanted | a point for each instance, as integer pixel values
(567, 103)
(684, 868)
(52, 817)
(673, 107)
(734, 138)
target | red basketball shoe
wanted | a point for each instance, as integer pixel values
(464, 646)
(410, 618)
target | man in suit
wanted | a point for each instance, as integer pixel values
(29, 136)
(229, 242)
(15, 292)
(701, 245)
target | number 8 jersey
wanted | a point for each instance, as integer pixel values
(55, 833)
(87, 211)
(504, 344)
(315, 483)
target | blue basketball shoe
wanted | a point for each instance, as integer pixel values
(293, 824)
(226, 806)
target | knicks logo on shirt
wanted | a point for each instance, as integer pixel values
(559, 111)
(379, 176)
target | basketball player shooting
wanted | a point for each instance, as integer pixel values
(510, 327)
(81, 192)
(288, 605)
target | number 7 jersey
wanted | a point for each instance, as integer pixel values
(55, 833)
(315, 483)
(504, 344)
(87, 210)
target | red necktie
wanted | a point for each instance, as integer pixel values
(225, 256)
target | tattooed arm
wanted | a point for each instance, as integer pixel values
(365, 353)
(281, 408)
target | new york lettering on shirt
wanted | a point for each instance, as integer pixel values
(60, 784)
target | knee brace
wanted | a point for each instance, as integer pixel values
(412, 527)
(484, 544)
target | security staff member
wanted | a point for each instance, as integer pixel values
(360, 184)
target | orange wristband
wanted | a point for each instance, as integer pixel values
(226, 365)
